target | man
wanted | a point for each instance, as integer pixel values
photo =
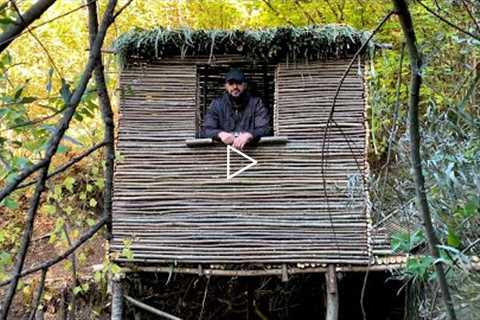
(236, 118)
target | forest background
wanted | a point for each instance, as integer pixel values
(40, 66)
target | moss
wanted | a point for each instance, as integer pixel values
(286, 43)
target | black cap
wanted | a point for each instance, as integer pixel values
(235, 75)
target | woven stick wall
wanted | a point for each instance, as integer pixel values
(175, 205)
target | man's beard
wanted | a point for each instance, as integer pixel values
(238, 98)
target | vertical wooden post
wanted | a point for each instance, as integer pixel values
(117, 299)
(250, 299)
(332, 293)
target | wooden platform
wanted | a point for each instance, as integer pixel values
(299, 204)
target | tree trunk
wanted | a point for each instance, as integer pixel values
(422, 203)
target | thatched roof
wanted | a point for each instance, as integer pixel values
(286, 43)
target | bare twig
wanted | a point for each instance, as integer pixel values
(362, 293)
(278, 13)
(73, 258)
(68, 164)
(305, 12)
(470, 14)
(451, 24)
(19, 25)
(49, 56)
(393, 131)
(204, 298)
(122, 8)
(38, 296)
(43, 23)
(332, 111)
(422, 202)
(35, 121)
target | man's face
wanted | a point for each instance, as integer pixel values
(235, 88)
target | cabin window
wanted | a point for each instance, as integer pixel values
(210, 84)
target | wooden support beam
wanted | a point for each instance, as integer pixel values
(155, 311)
(332, 293)
(117, 299)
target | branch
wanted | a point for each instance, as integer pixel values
(68, 164)
(150, 309)
(275, 11)
(122, 8)
(38, 40)
(451, 24)
(422, 202)
(47, 264)
(107, 115)
(20, 24)
(470, 14)
(396, 112)
(51, 150)
(24, 174)
(305, 13)
(45, 22)
(393, 131)
(35, 121)
(332, 111)
(39, 294)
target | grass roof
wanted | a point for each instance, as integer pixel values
(267, 45)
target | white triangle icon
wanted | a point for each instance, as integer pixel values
(253, 162)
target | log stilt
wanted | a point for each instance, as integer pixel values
(117, 299)
(332, 293)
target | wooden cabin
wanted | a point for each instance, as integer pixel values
(303, 207)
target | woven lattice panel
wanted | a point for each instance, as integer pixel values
(173, 203)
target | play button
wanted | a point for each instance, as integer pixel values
(236, 173)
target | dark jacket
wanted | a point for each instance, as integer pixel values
(250, 116)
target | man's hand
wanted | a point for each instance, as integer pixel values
(226, 137)
(241, 141)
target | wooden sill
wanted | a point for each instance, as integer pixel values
(203, 142)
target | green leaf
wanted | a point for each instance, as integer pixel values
(18, 92)
(6, 20)
(49, 81)
(77, 290)
(51, 209)
(28, 100)
(68, 210)
(100, 183)
(5, 258)
(85, 287)
(68, 183)
(115, 268)
(10, 203)
(97, 276)
(65, 92)
(62, 149)
(471, 208)
(453, 239)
